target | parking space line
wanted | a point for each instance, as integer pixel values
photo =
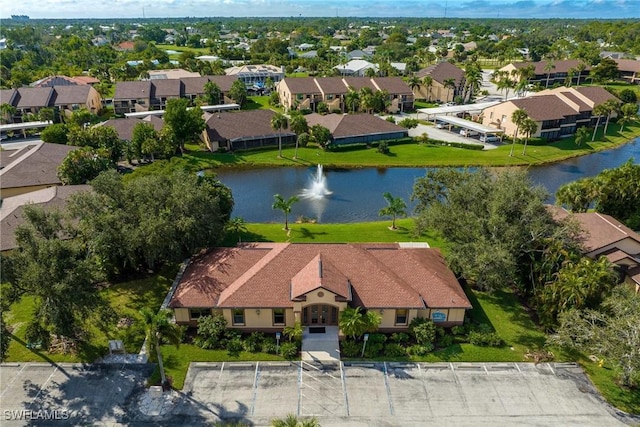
(44, 385)
(300, 389)
(221, 370)
(344, 389)
(424, 387)
(485, 368)
(551, 369)
(518, 367)
(386, 385)
(255, 387)
(14, 378)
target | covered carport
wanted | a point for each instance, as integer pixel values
(455, 109)
(451, 121)
(22, 127)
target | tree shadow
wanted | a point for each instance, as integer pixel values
(305, 233)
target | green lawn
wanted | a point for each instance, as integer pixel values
(198, 51)
(404, 155)
(335, 233)
(126, 298)
(176, 360)
(259, 103)
(425, 104)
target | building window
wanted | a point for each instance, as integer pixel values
(278, 316)
(197, 313)
(401, 316)
(238, 316)
(329, 97)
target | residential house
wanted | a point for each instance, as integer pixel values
(299, 93)
(606, 236)
(358, 54)
(558, 112)
(400, 94)
(242, 130)
(333, 90)
(31, 167)
(30, 100)
(269, 286)
(440, 73)
(162, 90)
(549, 73)
(11, 212)
(356, 67)
(193, 87)
(132, 96)
(357, 128)
(256, 75)
(71, 98)
(124, 127)
(174, 73)
(62, 81)
(629, 70)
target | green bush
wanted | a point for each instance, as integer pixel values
(459, 330)
(235, 346)
(55, 134)
(394, 350)
(289, 350)
(420, 350)
(383, 147)
(453, 144)
(445, 341)
(400, 337)
(423, 330)
(253, 343)
(408, 123)
(211, 331)
(485, 339)
(351, 348)
(391, 119)
(269, 347)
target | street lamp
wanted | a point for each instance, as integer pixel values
(277, 341)
(364, 344)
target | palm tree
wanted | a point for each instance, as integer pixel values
(158, 327)
(7, 111)
(449, 84)
(582, 133)
(284, 206)
(298, 124)
(612, 106)
(580, 68)
(549, 66)
(473, 80)
(629, 113)
(414, 83)
(367, 99)
(599, 110)
(427, 81)
(529, 126)
(278, 122)
(354, 322)
(518, 117)
(237, 225)
(295, 332)
(352, 100)
(395, 207)
(370, 72)
(292, 421)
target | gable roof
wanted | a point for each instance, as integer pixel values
(268, 274)
(562, 66)
(320, 273)
(166, 88)
(124, 127)
(596, 94)
(443, 71)
(34, 97)
(346, 125)
(628, 65)
(132, 90)
(395, 85)
(301, 85)
(65, 95)
(359, 82)
(331, 85)
(56, 81)
(13, 207)
(544, 107)
(9, 96)
(33, 165)
(234, 126)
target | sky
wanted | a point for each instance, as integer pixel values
(581, 9)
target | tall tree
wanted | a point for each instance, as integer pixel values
(159, 327)
(579, 69)
(238, 92)
(83, 164)
(612, 106)
(548, 68)
(427, 81)
(352, 100)
(212, 93)
(449, 84)
(285, 206)
(599, 110)
(582, 134)
(396, 206)
(629, 113)
(186, 124)
(298, 124)
(278, 122)
(237, 225)
(577, 196)
(518, 118)
(354, 322)
(529, 126)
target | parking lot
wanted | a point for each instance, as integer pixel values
(354, 394)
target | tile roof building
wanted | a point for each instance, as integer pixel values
(267, 286)
(439, 74)
(357, 128)
(67, 98)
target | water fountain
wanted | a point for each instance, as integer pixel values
(317, 190)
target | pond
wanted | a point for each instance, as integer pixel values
(356, 194)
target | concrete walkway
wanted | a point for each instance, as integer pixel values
(321, 347)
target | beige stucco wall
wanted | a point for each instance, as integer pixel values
(284, 94)
(388, 316)
(438, 92)
(181, 315)
(502, 112)
(258, 318)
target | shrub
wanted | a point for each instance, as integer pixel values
(408, 123)
(485, 339)
(306, 111)
(391, 119)
(400, 337)
(420, 350)
(459, 330)
(351, 348)
(628, 96)
(253, 343)
(235, 346)
(445, 341)
(55, 134)
(373, 349)
(37, 335)
(394, 350)
(289, 350)
(322, 108)
(423, 330)
(269, 347)
(274, 99)
(211, 331)
(383, 147)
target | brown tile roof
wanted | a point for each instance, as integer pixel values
(34, 165)
(544, 107)
(582, 107)
(8, 96)
(359, 82)
(12, 208)
(393, 85)
(34, 97)
(634, 274)
(345, 125)
(560, 66)
(194, 85)
(56, 81)
(87, 80)
(124, 127)
(231, 126)
(320, 273)
(167, 88)
(332, 85)
(66, 95)
(223, 82)
(132, 90)
(628, 65)
(596, 94)
(303, 85)
(261, 275)
(442, 71)
(617, 255)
